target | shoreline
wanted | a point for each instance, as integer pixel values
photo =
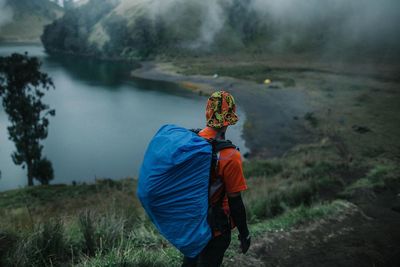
(270, 114)
(21, 42)
(301, 105)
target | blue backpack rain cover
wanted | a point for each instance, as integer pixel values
(173, 187)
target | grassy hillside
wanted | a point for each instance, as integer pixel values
(29, 19)
(103, 224)
(136, 29)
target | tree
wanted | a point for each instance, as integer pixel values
(22, 86)
(68, 4)
(43, 171)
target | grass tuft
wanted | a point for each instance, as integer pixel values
(262, 168)
(380, 176)
(45, 246)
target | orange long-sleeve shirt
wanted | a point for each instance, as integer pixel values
(230, 170)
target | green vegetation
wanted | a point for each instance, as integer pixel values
(69, 33)
(310, 117)
(100, 224)
(28, 20)
(103, 224)
(299, 215)
(379, 177)
(262, 168)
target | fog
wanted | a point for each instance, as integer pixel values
(211, 12)
(332, 23)
(347, 22)
(6, 13)
(366, 26)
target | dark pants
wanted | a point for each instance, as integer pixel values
(212, 255)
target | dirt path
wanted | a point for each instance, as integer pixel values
(366, 233)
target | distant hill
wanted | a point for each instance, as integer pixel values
(27, 19)
(145, 28)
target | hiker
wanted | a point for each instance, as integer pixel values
(228, 210)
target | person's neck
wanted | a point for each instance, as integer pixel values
(220, 133)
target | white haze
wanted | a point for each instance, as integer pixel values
(6, 13)
(211, 13)
(345, 21)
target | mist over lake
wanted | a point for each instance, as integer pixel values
(104, 119)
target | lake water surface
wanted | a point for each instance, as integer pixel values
(104, 119)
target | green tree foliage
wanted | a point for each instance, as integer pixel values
(142, 39)
(68, 4)
(22, 86)
(245, 21)
(70, 33)
(146, 37)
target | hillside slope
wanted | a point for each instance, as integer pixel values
(146, 28)
(28, 19)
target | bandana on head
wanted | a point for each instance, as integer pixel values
(220, 110)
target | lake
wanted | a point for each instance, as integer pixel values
(104, 119)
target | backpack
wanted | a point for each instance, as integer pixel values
(174, 186)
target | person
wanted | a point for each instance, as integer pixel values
(220, 114)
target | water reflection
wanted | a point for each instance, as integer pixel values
(92, 71)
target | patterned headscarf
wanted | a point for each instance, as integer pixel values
(220, 110)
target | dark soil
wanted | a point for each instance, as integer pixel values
(367, 233)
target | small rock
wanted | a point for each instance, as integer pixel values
(274, 86)
(396, 208)
(361, 129)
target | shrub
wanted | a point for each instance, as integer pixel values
(310, 117)
(300, 193)
(378, 177)
(88, 230)
(45, 246)
(262, 168)
(266, 207)
(268, 200)
(101, 233)
(380, 173)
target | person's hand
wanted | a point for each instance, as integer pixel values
(244, 243)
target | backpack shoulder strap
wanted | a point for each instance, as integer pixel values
(196, 131)
(223, 144)
(217, 146)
